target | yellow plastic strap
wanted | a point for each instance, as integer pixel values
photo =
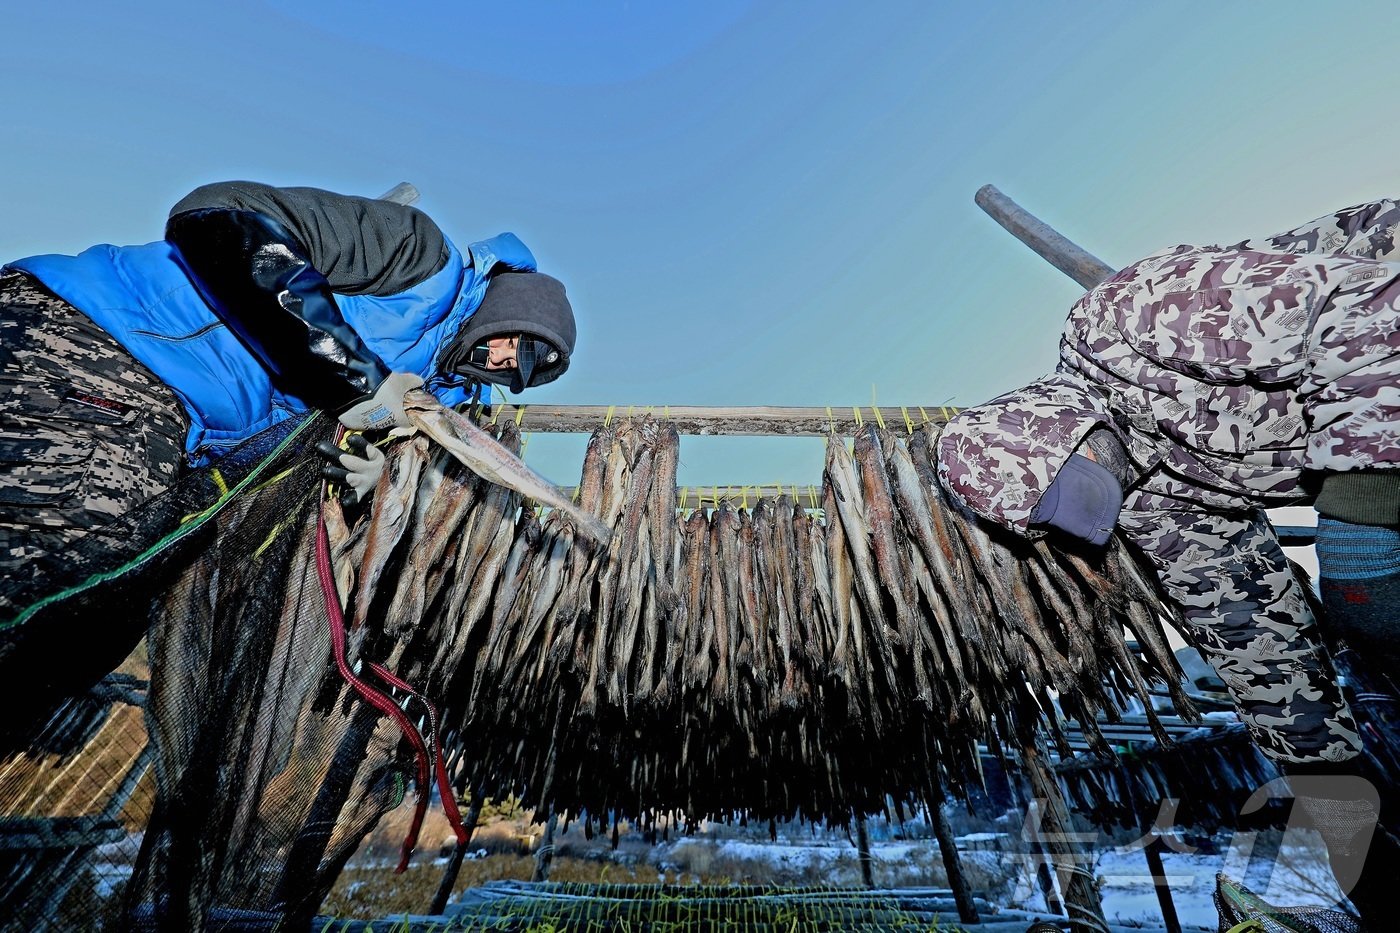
(272, 536)
(831, 419)
(943, 410)
(607, 419)
(856, 411)
(219, 481)
(908, 422)
(744, 490)
(666, 412)
(879, 418)
(1249, 926)
(685, 494)
(519, 414)
(924, 414)
(716, 497)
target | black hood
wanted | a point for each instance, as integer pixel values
(530, 303)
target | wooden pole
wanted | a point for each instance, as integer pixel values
(402, 193)
(952, 861)
(1077, 263)
(1153, 852)
(698, 420)
(544, 855)
(1082, 903)
(454, 865)
(867, 875)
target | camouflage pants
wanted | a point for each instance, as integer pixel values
(86, 431)
(1251, 621)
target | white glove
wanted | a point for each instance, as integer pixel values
(357, 469)
(384, 409)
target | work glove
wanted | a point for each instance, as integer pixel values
(357, 470)
(383, 409)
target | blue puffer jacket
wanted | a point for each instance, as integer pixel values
(142, 297)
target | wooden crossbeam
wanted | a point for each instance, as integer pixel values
(696, 420)
(805, 495)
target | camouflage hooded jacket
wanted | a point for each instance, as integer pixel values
(1229, 372)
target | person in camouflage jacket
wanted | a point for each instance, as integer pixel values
(1231, 379)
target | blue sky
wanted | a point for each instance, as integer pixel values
(751, 204)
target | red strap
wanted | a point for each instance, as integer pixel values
(371, 696)
(449, 800)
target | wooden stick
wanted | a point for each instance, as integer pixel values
(454, 865)
(544, 855)
(952, 861)
(1074, 261)
(700, 420)
(867, 876)
(1083, 905)
(402, 193)
(1153, 853)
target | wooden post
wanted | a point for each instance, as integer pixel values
(1077, 263)
(1082, 903)
(544, 855)
(454, 865)
(867, 875)
(1153, 851)
(402, 193)
(952, 861)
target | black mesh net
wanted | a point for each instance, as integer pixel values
(207, 567)
(1242, 910)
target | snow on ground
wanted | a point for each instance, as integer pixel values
(795, 856)
(1298, 877)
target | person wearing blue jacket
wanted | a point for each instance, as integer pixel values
(122, 367)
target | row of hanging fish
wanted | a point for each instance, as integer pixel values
(1205, 782)
(616, 655)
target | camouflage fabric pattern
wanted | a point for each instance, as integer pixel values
(1228, 372)
(1247, 613)
(1225, 569)
(1247, 366)
(86, 432)
(999, 458)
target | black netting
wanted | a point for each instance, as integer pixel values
(206, 567)
(1238, 905)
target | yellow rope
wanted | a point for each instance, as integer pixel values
(856, 411)
(519, 414)
(908, 422)
(879, 418)
(924, 413)
(607, 419)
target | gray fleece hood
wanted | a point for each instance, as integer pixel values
(529, 303)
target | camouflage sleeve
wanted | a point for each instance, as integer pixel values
(1368, 231)
(1246, 610)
